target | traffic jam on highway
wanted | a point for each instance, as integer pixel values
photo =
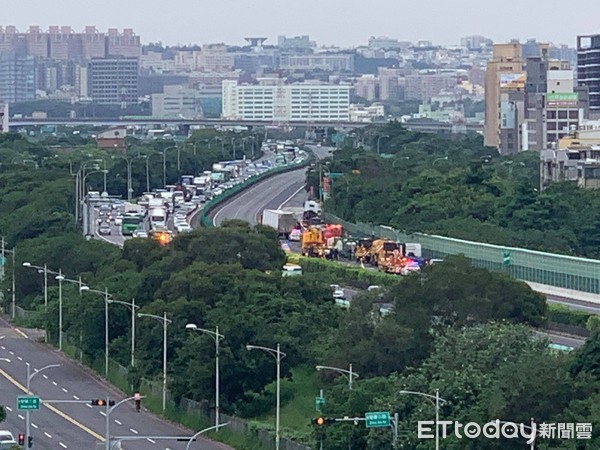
(164, 212)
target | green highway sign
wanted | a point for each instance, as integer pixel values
(28, 403)
(506, 258)
(319, 401)
(377, 419)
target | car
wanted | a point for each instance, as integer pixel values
(140, 234)
(338, 292)
(411, 267)
(118, 220)
(104, 229)
(184, 228)
(373, 288)
(7, 440)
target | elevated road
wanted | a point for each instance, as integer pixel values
(73, 425)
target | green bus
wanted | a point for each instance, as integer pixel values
(131, 222)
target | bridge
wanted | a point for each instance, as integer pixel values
(158, 122)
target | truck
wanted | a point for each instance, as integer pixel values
(134, 208)
(158, 218)
(283, 221)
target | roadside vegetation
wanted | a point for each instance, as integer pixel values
(457, 187)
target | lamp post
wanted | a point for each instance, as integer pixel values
(347, 373)
(29, 377)
(129, 182)
(107, 296)
(445, 158)
(278, 355)
(164, 154)
(435, 399)
(165, 322)
(216, 427)
(133, 307)
(45, 271)
(60, 277)
(147, 171)
(379, 141)
(86, 224)
(216, 336)
(401, 158)
(79, 183)
(13, 281)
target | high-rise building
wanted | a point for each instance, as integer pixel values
(388, 84)
(504, 73)
(113, 81)
(367, 87)
(273, 101)
(4, 118)
(588, 69)
(17, 77)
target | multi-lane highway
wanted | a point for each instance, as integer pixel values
(73, 425)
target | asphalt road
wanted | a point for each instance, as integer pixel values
(73, 425)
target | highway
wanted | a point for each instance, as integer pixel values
(73, 425)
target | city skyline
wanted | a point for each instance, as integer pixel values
(336, 22)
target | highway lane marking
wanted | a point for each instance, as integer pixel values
(62, 445)
(8, 408)
(64, 390)
(19, 358)
(248, 191)
(133, 431)
(55, 410)
(291, 197)
(54, 383)
(117, 422)
(11, 352)
(103, 413)
(45, 376)
(21, 333)
(88, 405)
(151, 440)
(34, 426)
(21, 417)
(75, 397)
(48, 434)
(3, 347)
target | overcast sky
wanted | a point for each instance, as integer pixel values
(339, 22)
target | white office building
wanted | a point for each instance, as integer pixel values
(177, 102)
(271, 100)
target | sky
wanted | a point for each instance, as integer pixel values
(329, 22)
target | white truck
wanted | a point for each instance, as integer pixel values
(134, 208)
(283, 221)
(158, 218)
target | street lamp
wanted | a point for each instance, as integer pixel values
(431, 398)
(445, 158)
(129, 183)
(45, 271)
(79, 183)
(14, 283)
(165, 322)
(147, 172)
(60, 277)
(29, 377)
(347, 373)
(278, 355)
(133, 307)
(216, 336)
(378, 142)
(164, 154)
(216, 427)
(107, 296)
(86, 219)
(400, 158)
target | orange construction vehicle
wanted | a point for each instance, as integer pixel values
(381, 251)
(361, 253)
(313, 243)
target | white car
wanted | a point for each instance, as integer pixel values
(7, 440)
(140, 234)
(184, 228)
(118, 220)
(338, 292)
(410, 268)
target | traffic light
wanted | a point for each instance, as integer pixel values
(21, 438)
(30, 443)
(101, 402)
(320, 421)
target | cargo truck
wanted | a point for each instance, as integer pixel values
(283, 221)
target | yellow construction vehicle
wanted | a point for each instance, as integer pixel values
(313, 243)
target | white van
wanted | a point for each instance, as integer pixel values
(291, 270)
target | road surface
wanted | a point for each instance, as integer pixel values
(74, 426)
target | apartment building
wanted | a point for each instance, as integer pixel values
(424, 86)
(588, 69)
(332, 62)
(113, 81)
(271, 100)
(176, 102)
(17, 77)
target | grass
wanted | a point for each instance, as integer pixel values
(298, 411)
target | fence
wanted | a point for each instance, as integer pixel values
(579, 274)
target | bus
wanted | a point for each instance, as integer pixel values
(131, 222)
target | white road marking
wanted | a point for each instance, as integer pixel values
(151, 440)
(64, 390)
(45, 376)
(21, 417)
(55, 383)
(11, 352)
(3, 347)
(133, 431)
(49, 435)
(117, 422)
(103, 413)
(62, 445)
(19, 358)
(88, 405)
(8, 408)
(34, 426)
(75, 397)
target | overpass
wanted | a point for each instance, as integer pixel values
(157, 122)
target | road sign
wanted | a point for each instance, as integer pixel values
(319, 401)
(506, 258)
(377, 419)
(28, 403)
